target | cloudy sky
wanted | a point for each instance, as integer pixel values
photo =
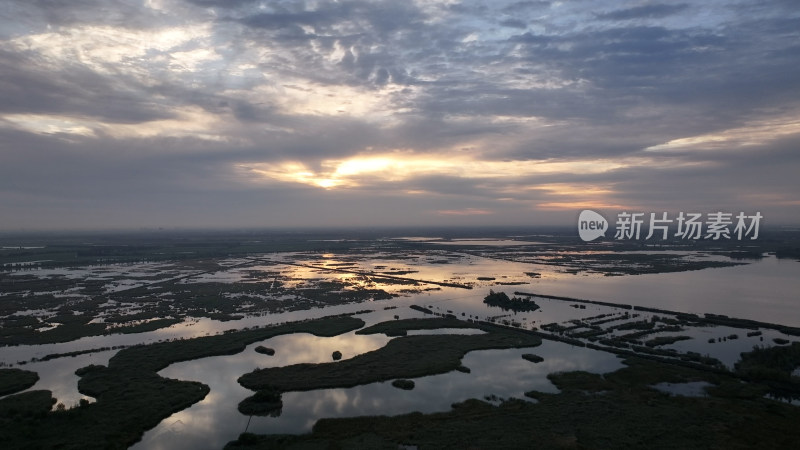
(240, 113)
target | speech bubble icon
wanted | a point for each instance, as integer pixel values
(591, 225)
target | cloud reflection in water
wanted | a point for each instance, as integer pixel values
(215, 420)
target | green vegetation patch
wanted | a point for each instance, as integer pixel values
(61, 333)
(132, 397)
(404, 357)
(780, 359)
(516, 304)
(159, 355)
(143, 327)
(627, 414)
(266, 402)
(26, 404)
(16, 380)
(532, 358)
(265, 350)
(580, 380)
(399, 327)
(404, 384)
(773, 367)
(665, 340)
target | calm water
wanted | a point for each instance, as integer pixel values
(766, 290)
(215, 421)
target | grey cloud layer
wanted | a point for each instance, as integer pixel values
(496, 81)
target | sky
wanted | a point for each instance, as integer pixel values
(239, 113)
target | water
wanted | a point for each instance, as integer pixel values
(58, 376)
(767, 290)
(215, 421)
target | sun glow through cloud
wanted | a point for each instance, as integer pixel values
(46, 124)
(357, 171)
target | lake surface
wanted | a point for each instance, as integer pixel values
(767, 290)
(215, 421)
